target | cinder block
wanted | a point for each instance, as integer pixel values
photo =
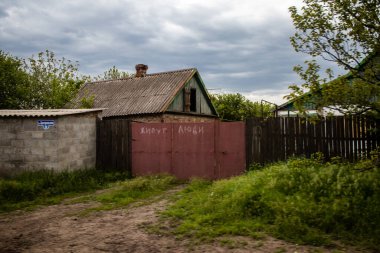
(31, 158)
(49, 144)
(9, 150)
(4, 158)
(25, 151)
(37, 151)
(5, 142)
(50, 152)
(37, 134)
(19, 151)
(31, 125)
(17, 143)
(50, 135)
(72, 164)
(21, 135)
(7, 135)
(68, 128)
(89, 162)
(63, 150)
(31, 143)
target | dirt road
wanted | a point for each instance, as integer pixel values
(59, 228)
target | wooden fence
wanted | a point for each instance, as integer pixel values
(276, 139)
(113, 144)
(267, 140)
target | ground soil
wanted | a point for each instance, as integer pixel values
(61, 228)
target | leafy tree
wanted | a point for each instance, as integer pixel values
(112, 74)
(347, 33)
(237, 107)
(54, 82)
(14, 82)
(38, 82)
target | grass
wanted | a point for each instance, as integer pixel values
(33, 188)
(303, 201)
(126, 192)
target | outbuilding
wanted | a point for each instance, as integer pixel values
(47, 139)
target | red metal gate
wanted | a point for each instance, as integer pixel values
(208, 150)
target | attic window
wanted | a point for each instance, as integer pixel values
(190, 99)
(193, 100)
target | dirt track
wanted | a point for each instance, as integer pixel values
(58, 228)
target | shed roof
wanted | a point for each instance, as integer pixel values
(149, 94)
(45, 112)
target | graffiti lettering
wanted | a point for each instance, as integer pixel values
(195, 130)
(153, 130)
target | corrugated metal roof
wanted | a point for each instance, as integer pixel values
(135, 95)
(45, 112)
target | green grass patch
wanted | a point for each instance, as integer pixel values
(302, 201)
(33, 188)
(126, 192)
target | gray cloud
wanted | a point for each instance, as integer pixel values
(240, 46)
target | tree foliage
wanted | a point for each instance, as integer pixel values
(38, 82)
(13, 82)
(112, 74)
(54, 81)
(347, 33)
(237, 107)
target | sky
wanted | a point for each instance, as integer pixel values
(238, 46)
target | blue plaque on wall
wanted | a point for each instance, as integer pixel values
(46, 124)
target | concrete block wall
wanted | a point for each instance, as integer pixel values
(24, 145)
(77, 141)
(69, 144)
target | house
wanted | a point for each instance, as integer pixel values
(288, 109)
(366, 71)
(173, 96)
(47, 139)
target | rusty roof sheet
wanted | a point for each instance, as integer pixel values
(45, 112)
(135, 95)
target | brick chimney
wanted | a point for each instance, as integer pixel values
(141, 70)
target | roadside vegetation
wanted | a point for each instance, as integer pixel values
(304, 201)
(43, 187)
(33, 188)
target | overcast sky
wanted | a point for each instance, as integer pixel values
(237, 46)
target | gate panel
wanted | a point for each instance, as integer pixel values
(151, 148)
(193, 150)
(207, 150)
(231, 149)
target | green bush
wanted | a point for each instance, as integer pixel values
(302, 200)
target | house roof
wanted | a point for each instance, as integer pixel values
(289, 105)
(149, 94)
(45, 113)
